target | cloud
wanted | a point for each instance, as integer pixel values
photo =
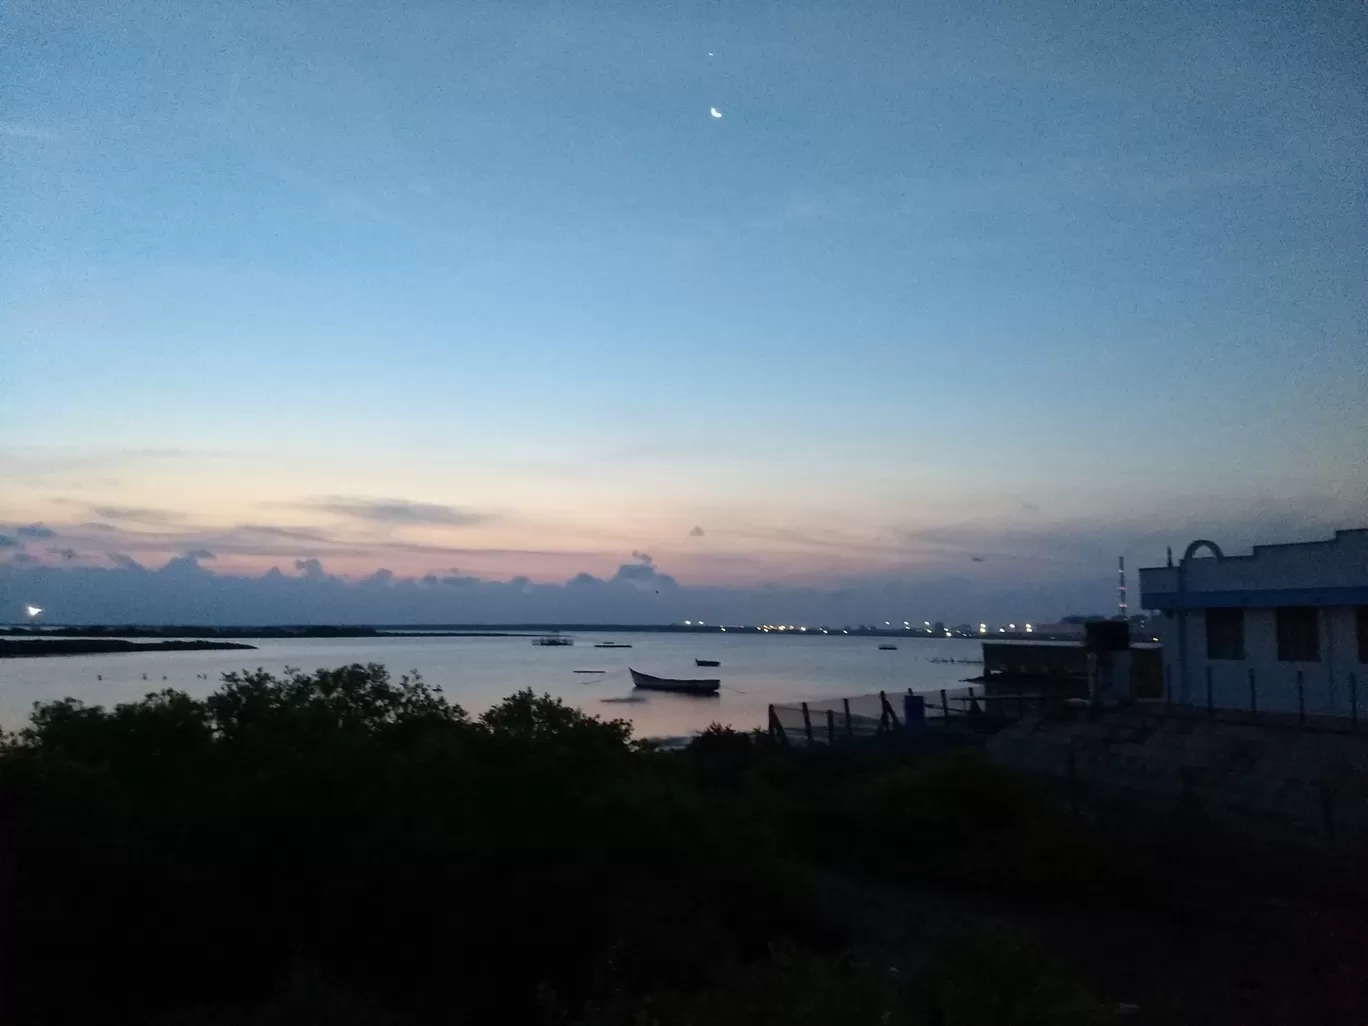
(399, 512)
(182, 591)
(138, 514)
(643, 558)
(292, 533)
(37, 531)
(66, 553)
(312, 569)
(697, 532)
(198, 554)
(8, 541)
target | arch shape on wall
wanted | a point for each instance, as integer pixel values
(1202, 543)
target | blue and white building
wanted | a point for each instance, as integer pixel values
(1283, 629)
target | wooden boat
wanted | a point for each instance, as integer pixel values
(687, 687)
(610, 644)
(706, 662)
(888, 648)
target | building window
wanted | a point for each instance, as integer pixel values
(1298, 634)
(1362, 618)
(1225, 633)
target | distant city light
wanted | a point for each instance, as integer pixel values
(688, 623)
(983, 628)
(802, 628)
(724, 630)
(1012, 626)
(1002, 630)
(1028, 628)
(33, 610)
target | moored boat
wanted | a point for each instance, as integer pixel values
(888, 648)
(687, 687)
(610, 644)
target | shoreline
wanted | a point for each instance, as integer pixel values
(40, 648)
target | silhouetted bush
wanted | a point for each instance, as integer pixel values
(176, 854)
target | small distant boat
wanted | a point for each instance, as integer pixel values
(610, 644)
(687, 687)
(888, 648)
(591, 671)
(706, 662)
(553, 641)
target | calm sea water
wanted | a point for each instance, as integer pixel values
(476, 672)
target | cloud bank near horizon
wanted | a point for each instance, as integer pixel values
(152, 565)
(186, 591)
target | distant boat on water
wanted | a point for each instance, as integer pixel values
(610, 644)
(553, 641)
(888, 648)
(686, 687)
(707, 662)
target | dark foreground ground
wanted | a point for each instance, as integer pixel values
(341, 848)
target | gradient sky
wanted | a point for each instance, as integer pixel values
(485, 285)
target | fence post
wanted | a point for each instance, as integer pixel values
(776, 726)
(1301, 700)
(1210, 710)
(945, 705)
(850, 727)
(831, 726)
(1353, 699)
(807, 723)
(1253, 695)
(888, 710)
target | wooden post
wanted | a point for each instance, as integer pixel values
(831, 726)
(850, 727)
(888, 710)
(945, 705)
(776, 726)
(1210, 709)
(1253, 695)
(1301, 700)
(807, 723)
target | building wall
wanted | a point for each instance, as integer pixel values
(1339, 564)
(1327, 686)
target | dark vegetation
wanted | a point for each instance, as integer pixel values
(344, 848)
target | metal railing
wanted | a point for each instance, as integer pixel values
(834, 720)
(1244, 697)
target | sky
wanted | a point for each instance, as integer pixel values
(954, 304)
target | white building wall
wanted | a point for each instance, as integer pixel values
(1328, 686)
